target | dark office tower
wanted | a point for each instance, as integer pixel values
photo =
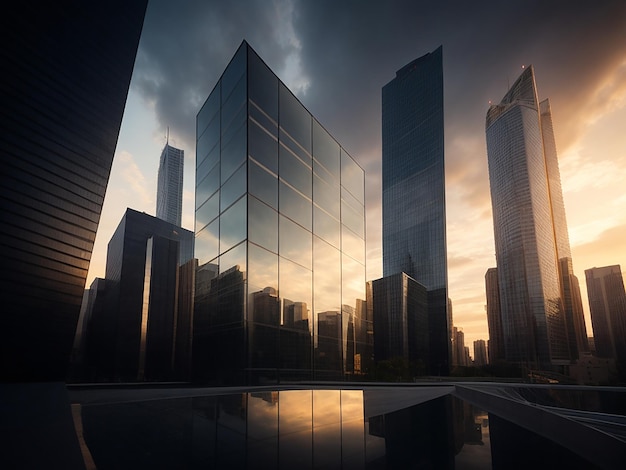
(539, 298)
(458, 343)
(607, 304)
(400, 310)
(494, 316)
(480, 352)
(280, 213)
(85, 350)
(414, 209)
(67, 68)
(170, 185)
(144, 290)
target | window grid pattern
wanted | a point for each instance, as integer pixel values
(302, 199)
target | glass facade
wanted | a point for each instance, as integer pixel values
(607, 303)
(62, 107)
(400, 314)
(529, 226)
(170, 185)
(280, 222)
(414, 210)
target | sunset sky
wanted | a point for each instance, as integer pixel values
(337, 55)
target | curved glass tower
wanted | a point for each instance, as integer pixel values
(538, 301)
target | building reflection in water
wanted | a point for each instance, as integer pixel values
(377, 428)
(277, 429)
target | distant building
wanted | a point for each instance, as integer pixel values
(150, 273)
(67, 69)
(400, 313)
(170, 185)
(542, 317)
(461, 352)
(279, 237)
(494, 316)
(607, 305)
(480, 353)
(467, 359)
(413, 186)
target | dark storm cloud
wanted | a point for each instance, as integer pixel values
(186, 45)
(349, 49)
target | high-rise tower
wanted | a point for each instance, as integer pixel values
(170, 185)
(542, 319)
(279, 237)
(414, 210)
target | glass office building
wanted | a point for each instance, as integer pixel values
(67, 69)
(607, 303)
(280, 237)
(399, 307)
(539, 296)
(170, 185)
(414, 208)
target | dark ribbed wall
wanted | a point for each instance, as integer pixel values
(66, 71)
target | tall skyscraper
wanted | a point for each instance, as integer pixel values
(414, 210)
(68, 68)
(170, 185)
(607, 304)
(280, 236)
(541, 312)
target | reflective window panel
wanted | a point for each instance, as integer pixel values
(209, 184)
(325, 149)
(295, 242)
(262, 225)
(263, 147)
(233, 225)
(234, 187)
(295, 206)
(262, 184)
(294, 118)
(352, 177)
(207, 242)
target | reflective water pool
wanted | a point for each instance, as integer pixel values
(374, 428)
